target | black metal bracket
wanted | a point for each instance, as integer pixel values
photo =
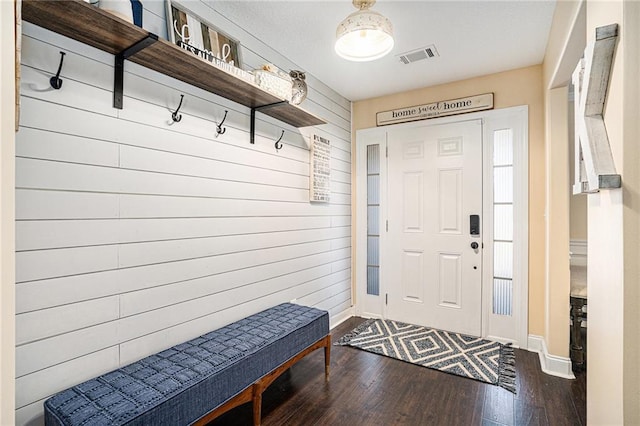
(118, 79)
(253, 118)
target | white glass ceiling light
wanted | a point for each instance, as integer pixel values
(364, 35)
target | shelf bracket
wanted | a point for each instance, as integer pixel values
(118, 78)
(253, 117)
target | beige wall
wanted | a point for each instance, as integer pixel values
(564, 49)
(7, 208)
(512, 88)
(565, 44)
(557, 221)
(578, 221)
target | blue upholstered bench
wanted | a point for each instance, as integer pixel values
(196, 381)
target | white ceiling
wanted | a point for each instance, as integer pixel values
(473, 38)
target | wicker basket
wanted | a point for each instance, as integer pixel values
(273, 83)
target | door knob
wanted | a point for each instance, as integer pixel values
(474, 245)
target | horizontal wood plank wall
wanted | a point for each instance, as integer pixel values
(135, 233)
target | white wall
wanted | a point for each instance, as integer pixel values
(631, 130)
(7, 233)
(133, 234)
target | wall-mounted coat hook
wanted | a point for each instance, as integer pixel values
(278, 144)
(219, 129)
(174, 115)
(56, 81)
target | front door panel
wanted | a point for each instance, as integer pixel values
(432, 274)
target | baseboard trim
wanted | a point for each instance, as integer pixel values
(341, 317)
(550, 364)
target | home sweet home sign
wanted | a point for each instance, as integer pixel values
(436, 109)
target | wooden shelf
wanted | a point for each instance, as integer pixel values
(88, 24)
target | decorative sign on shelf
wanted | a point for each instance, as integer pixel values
(320, 179)
(202, 39)
(436, 109)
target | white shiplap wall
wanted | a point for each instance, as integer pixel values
(134, 234)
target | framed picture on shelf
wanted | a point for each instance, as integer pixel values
(201, 38)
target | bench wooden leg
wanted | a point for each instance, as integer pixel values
(327, 356)
(257, 404)
(254, 392)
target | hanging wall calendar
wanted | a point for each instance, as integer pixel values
(320, 179)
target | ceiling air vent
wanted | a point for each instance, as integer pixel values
(418, 55)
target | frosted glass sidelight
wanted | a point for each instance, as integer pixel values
(503, 222)
(373, 220)
(502, 296)
(503, 147)
(373, 159)
(373, 280)
(503, 184)
(502, 259)
(373, 189)
(373, 225)
(373, 251)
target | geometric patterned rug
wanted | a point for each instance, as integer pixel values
(466, 356)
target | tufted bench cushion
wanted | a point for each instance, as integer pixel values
(180, 385)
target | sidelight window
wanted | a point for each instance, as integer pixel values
(373, 220)
(503, 222)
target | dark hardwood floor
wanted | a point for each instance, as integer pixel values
(369, 389)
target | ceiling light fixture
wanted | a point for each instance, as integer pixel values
(364, 35)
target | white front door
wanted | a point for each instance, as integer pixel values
(432, 274)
